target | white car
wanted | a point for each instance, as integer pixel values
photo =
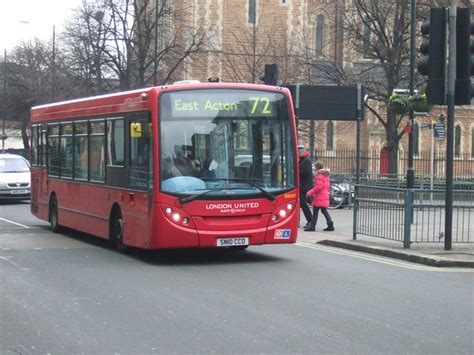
(15, 177)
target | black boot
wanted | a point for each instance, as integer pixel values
(330, 227)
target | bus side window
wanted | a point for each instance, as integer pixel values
(97, 150)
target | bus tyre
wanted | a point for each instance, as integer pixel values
(53, 214)
(116, 231)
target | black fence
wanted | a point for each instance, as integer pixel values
(373, 162)
(412, 215)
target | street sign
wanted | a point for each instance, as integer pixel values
(426, 126)
(439, 130)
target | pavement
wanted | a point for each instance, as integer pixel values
(432, 254)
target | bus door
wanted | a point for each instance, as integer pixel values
(138, 200)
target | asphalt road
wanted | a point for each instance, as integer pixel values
(70, 294)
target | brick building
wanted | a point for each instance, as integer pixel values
(306, 39)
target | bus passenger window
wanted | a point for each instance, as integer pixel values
(115, 140)
(81, 158)
(66, 150)
(97, 150)
(53, 154)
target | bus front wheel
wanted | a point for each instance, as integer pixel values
(116, 231)
(53, 214)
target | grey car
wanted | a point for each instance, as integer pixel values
(15, 177)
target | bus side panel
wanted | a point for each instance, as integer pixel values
(135, 212)
(82, 207)
(39, 193)
(87, 208)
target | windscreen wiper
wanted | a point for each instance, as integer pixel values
(252, 183)
(196, 196)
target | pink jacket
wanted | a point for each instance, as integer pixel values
(320, 191)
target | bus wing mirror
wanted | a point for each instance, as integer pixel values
(136, 130)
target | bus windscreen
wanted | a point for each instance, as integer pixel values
(225, 143)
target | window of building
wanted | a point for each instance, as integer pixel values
(252, 11)
(116, 142)
(457, 142)
(320, 35)
(97, 150)
(416, 139)
(81, 154)
(330, 136)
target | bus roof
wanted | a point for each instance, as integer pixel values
(126, 101)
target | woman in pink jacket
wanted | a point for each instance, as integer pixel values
(320, 194)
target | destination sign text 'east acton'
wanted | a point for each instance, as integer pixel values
(229, 104)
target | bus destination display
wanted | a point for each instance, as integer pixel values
(213, 103)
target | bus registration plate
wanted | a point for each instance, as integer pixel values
(229, 242)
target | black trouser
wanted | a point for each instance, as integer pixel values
(305, 207)
(324, 211)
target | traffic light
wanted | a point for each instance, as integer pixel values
(271, 74)
(464, 57)
(433, 63)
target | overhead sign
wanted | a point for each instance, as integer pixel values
(326, 102)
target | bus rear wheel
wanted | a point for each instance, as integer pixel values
(53, 215)
(116, 231)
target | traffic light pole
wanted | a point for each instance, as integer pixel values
(448, 219)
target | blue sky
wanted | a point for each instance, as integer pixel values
(26, 19)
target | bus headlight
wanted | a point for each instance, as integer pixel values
(282, 212)
(178, 216)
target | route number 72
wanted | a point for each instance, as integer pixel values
(261, 105)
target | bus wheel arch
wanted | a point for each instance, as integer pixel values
(116, 224)
(53, 213)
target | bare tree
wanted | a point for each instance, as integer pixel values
(116, 39)
(378, 34)
(245, 60)
(30, 81)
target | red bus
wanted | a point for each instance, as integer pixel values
(176, 166)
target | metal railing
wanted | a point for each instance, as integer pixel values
(425, 163)
(412, 215)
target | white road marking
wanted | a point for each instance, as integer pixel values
(383, 260)
(15, 223)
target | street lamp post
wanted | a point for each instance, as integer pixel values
(155, 62)
(53, 74)
(4, 136)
